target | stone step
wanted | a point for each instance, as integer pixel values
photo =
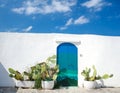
(71, 90)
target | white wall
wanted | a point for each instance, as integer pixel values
(104, 53)
(19, 50)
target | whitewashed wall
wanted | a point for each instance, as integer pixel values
(104, 53)
(19, 50)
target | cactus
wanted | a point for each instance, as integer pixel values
(86, 73)
(15, 74)
(29, 75)
(43, 71)
(93, 77)
(106, 76)
(51, 59)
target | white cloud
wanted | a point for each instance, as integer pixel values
(63, 28)
(19, 29)
(81, 20)
(92, 3)
(44, 6)
(28, 29)
(69, 22)
(18, 10)
(95, 5)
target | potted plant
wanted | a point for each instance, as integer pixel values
(44, 75)
(44, 71)
(49, 71)
(22, 80)
(92, 80)
(49, 76)
(89, 81)
(99, 79)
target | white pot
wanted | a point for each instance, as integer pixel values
(47, 84)
(90, 84)
(26, 84)
(100, 83)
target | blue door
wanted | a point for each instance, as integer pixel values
(68, 62)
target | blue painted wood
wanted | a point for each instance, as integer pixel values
(67, 59)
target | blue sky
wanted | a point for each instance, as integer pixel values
(61, 16)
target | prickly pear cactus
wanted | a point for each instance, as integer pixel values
(93, 77)
(106, 76)
(15, 74)
(86, 73)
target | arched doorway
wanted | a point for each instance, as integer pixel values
(67, 59)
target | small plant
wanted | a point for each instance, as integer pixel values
(42, 71)
(37, 71)
(91, 77)
(27, 76)
(105, 76)
(24, 79)
(15, 74)
(87, 72)
(50, 69)
(51, 61)
(49, 73)
(48, 76)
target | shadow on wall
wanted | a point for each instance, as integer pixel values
(5, 80)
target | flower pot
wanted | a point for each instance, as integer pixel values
(90, 84)
(100, 83)
(47, 84)
(26, 84)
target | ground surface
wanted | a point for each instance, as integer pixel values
(63, 90)
(8, 90)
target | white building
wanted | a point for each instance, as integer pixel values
(21, 50)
